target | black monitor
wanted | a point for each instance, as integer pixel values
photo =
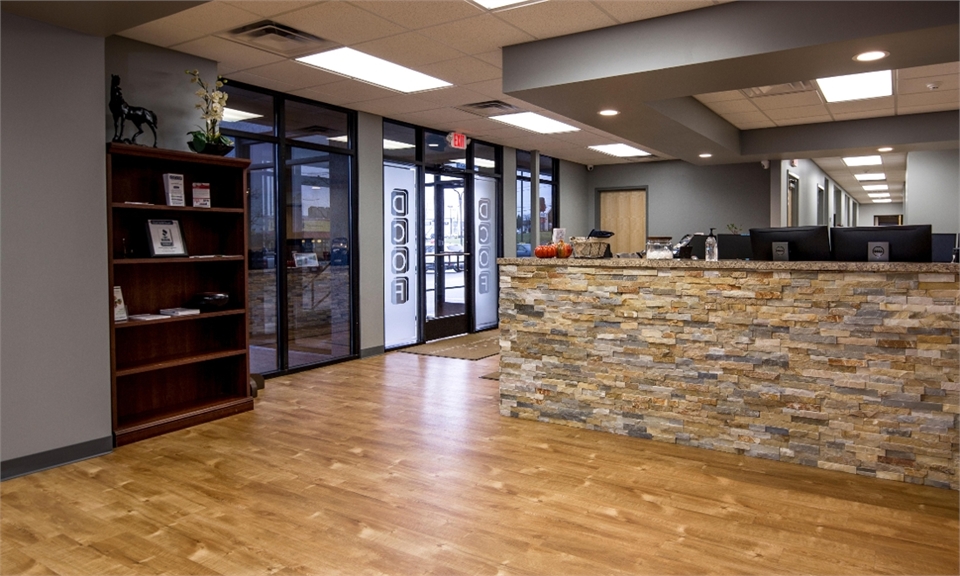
(943, 245)
(912, 243)
(805, 243)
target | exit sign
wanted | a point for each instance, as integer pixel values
(457, 140)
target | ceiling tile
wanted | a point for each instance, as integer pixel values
(158, 34)
(465, 70)
(263, 82)
(721, 96)
(549, 19)
(857, 115)
(886, 104)
(903, 110)
(494, 57)
(294, 74)
(478, 34)
(416, 14)
(409, 49)
(395, 105)
(209, 18)
(268, 8)
(340, 22)
(326, 98)
(920, 85)
(732, 107)
(803, 120)
(633, 11)
(452, 96)
(779, 114)
(949, 98)
(430, 118)
(352, 91)
(947, 69)
(477, 126)
(230, 55)
(797, 100)
(754, 119)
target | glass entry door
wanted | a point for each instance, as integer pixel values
(446, 291)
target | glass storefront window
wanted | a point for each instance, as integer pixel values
(316, 125)
(248, 111)
(485, 159)
(437, 152)
(318, 256)
(399, 142)
(547, 194)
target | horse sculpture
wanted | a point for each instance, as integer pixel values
(122, 112)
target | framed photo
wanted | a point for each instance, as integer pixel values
(305, 259)
(165, 238)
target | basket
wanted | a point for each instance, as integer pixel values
(589, 247)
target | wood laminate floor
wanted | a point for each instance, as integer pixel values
(401, 464)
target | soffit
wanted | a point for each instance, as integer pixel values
(96, 18)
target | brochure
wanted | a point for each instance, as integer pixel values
(119, 307)
(201, 195)
(173, 186)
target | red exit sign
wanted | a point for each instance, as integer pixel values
(457, 140)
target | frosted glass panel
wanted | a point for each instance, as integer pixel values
(485, 236)
(400, 287)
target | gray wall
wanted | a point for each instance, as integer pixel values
(509, 216)
(577, 210)
(810, 176)
(55, 302)
(155, 78)
(933, 190)
(370, 177)
(683, 198)
(868, 211)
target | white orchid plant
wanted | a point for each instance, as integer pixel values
(212, 103)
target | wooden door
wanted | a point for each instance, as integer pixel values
(624, 212)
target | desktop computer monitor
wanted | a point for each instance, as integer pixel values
(912, 243)
(804, 243)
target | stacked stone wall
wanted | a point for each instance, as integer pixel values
(850, 367)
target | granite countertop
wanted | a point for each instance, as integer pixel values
(908, 267)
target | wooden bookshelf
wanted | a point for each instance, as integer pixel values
(176, 372)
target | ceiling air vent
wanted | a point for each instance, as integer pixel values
(278, 39)
(779, 89)
(490, 108)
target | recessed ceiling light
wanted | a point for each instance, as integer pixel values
(882, 200)
(359, 66)
(874, 160)
(706, 155)
(620, 150)
(609, 112)
(871, 56)
(885, 149)
(534, 122)
(872, 187)
(870, 176)
(879, 194)
(857, 86)
(233, 115)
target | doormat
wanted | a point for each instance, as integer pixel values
(492, 376)
(469, 347)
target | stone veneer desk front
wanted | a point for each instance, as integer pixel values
(840, 365)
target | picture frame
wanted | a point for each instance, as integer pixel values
(165, 238)
(305, 259)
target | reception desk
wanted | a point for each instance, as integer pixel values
(847, 366)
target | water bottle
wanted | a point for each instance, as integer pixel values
(711, 247)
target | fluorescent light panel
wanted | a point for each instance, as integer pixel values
(394, 145)
(879, 194)
(873, 160)
(870, 177)
(619, 150)
(534, 122)
(367, 68)
(477, 162)
(857, 86)
(882, 200)
(234, 115)
(873, 187)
